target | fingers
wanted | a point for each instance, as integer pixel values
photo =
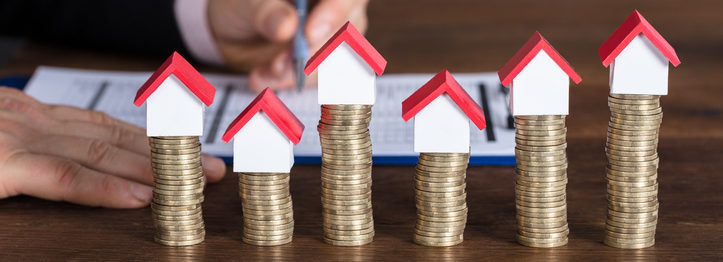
(113, 134)
(79, 114)
(276, 20)
(61, 179)
(328, 15)
(213, 167)
(98, 155)
(277, 75)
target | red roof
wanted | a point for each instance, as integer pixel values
(527, 53)
(276, 110)
(442, 83)
(632, 27)
(185, 72)
(356, 40)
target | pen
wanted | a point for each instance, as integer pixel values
(300, 46)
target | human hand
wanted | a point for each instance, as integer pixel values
(71, 154)
(255, 35)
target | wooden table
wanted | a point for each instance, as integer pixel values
(464, 36)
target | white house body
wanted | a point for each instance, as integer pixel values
(541, 88)
(261, 147)
(639, 69)
(441, 127)
(173, 110)
(346, 79)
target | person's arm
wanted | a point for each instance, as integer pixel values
(137, 26)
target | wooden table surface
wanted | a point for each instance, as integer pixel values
(463, 36)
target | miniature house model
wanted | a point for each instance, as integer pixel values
(539, 79)
(442, 111)
(264, 136)
(638, 57)
(347, 66)
(175, 96)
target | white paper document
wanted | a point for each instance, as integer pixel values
(113, 92)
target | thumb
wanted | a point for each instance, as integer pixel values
(276, 20)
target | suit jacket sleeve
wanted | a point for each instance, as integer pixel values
(138, 26)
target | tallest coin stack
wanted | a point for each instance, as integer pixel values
(177, 190)
(346, 174)
(632, 170)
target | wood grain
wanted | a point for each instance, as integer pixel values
(463, 36)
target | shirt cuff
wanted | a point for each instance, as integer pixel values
(192, 20)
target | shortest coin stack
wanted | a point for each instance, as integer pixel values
(632, 170)
(178, 183)
(541, 180)
(267, 208)
(440, 193)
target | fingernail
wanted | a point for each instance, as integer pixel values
(274, 21)
(142, 192)
(279, 67)
(320, 32)
(212, 165)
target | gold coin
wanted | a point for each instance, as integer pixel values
(609, 228)
(351, 218)
(198, 185)
(541, 148)
(545, 244)
(633, 220)
(555, 142)
(621, 224)
(526, 165)
(349, 243)
(519, 192)
(633, 101)
(443, 213)
(543, 229)
(541, 214)
(540, 117)
(267, 243)
(271, 227)
(553, 199)
(542, 226)
(541, 179)
(529, 122)
(172, 193)
(636, 107)
(631, 246)
(179, 243)
(636, 112)
(438, 234)
(633, 158)
(364, 224)
(552, 129)
(441, 219)
(653, 187)
(534, 235)
(458, 165)
(450, 239)
(452, 157)
(426, 179)
(620, 133)
(556, 132)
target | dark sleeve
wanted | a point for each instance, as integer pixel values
(137, 26)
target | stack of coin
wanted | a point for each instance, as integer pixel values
(440, 196)
(632, 170)
(178, 183)
(541, 180)
(267, 208)
(346, 174)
